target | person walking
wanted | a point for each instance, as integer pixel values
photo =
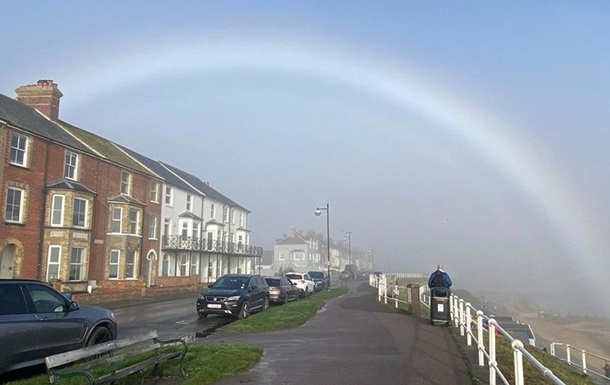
(439, 278)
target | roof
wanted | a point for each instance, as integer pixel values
(292, 240)
(28, 119)
(64, 184)
(169, 177)
(203, 187)
(107, 149)
(122, 198)
(188, 214)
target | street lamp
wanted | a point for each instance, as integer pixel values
(317, 214)
(347, 236)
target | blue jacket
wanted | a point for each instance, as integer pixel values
(446, 279)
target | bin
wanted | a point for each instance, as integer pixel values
(439, 305)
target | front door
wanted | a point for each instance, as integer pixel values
(7, 260)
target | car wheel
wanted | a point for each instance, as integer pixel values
(244, 312)
(266, 304)
(99, 335)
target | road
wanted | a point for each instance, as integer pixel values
(171, 318)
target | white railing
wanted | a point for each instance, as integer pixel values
(590, 363)
(472, 324)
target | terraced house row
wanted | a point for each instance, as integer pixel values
(89, 215)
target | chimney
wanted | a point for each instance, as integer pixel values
(43, 96)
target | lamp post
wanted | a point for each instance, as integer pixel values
(347, 236)
(317, 214)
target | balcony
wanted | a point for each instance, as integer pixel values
(182, 243)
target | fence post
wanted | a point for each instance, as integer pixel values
(455, 307)
(518, 362)
(468, 325)
(492, 351)
(568, 354)
(480, 337)
(462, 320)
(584, 361)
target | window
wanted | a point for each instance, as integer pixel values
(213, 211)
(185, 230)
(165, 266)
(19, 147)
(241, 219)
(14, 205)
(169, 199)
(194, 266)
(233, 217)
(76, 264)
(116, 224)
(189, 202)
(53, 262)
(125, 177)
(133, 221)
(79, 214)
(130, 264)
(167, 227)
(225, 215)
(113, 264)
(152, 228)
(57, 210)
(154, 191)
(70, 165)
(182, 264)
(195, 230)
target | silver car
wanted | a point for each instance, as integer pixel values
(37, 321)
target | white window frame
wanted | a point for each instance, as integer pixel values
(114, 220)
(57, 210)
(183, 261)
(195, 232)
(166, 266)
(114, 254)
(78, 264)
(84, 214)
(125, 182)
(54, 259)
(131, 260)
(19, 148)
(194, 266)
(152, 227)
(189, 202)
(169, 196)
(225, 215)
(11, 207)
(213, 211)
(71, 165)
(154, 191)
(134, 225)
(241, 219)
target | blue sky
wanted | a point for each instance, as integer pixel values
(470, 134)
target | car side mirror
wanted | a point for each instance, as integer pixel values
(73, 306)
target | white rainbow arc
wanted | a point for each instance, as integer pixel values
(406, 87)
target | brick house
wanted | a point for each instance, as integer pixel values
(75, 206)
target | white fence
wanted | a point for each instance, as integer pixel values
(473, 324)
(589, 363)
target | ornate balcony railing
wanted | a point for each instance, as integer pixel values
(179, 242)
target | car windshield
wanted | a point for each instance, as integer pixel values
(272, 281)
(316, 274)
(294, 276)
(230, 283)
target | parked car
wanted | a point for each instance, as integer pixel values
(303, 282)
(281, 290)
(234, 294)
(319, 278)
(38, 321)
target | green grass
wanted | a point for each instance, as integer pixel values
(204, 363)
(285, 316)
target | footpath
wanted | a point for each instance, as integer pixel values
(353, 340)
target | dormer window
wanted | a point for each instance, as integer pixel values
(125, 182)
(70, 165)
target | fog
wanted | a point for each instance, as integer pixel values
(473, 135)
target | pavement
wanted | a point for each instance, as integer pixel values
(353, 340)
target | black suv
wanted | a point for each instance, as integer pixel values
(319, 278)
(38, 321)
(234, 294)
